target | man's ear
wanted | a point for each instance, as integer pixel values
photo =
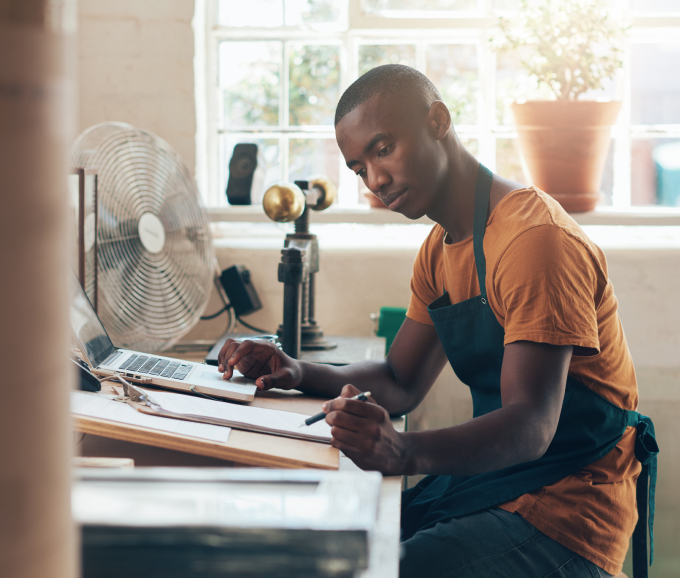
(439, 119)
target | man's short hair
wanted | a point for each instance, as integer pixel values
(413, 87)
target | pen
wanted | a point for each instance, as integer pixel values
(319, 416)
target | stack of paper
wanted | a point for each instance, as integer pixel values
(104, 407)
(271, 421)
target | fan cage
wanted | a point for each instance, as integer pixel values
(147, 300)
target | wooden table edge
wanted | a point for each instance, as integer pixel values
(177, 442)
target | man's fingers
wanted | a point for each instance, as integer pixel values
(352, 422)
(225, 353)
(357, 456)
(351, 439)
(223, 349)
(281, 379)
(258, 360)
(232, 355)
(356, 407)
(241, 351)
(225, 367)
(349, 391)
(250, 365)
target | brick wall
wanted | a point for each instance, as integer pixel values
(136, 66)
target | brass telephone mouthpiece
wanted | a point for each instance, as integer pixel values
(329, 191)
(284, 202)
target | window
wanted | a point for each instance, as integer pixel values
(274, 70)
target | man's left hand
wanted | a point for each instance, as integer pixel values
(364, 432)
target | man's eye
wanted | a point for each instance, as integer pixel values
(361, 173)
(383, 151)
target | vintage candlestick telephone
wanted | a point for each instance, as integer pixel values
(284, 203)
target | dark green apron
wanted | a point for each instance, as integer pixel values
(589, 426)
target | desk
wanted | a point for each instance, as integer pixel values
(384, 544)
(244, 448)
(348, 350)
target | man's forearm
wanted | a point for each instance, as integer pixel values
(375, 376)
(502, 438)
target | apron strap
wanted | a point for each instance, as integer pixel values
(482, 192)
(646, 450)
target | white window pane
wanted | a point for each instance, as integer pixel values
(300, 12)
(372, 55)
(607, 184)
(672, 6)
(655, 83)
(509, 162)
(516, 5)
(260, 13)
(419, 5)
(655, 172)
(249, 77)
(471, 144)
(513, 82)
(314, 84)
(453, 70)
(505, 5)
(314, 156)
(268, 171)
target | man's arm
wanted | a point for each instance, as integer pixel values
(533, 380)
(399, 382)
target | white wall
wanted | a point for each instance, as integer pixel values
(136, 66)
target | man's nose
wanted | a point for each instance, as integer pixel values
(377, 179)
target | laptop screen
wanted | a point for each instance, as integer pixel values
(94, 342)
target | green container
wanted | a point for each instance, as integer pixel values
(389, 322)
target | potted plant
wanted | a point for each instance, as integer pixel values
(574, 46)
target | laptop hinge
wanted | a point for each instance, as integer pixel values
(111, 357)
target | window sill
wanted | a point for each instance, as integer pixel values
(608, 216)
(363, 215)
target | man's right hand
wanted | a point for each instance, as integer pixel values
(259, 360)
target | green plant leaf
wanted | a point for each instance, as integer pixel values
(576, 44)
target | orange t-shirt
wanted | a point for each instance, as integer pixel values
(547, 282)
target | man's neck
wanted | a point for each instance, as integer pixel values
(454, 208)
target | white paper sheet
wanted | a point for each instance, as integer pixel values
(241, 416)
(103, 407)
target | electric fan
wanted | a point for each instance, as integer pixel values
(154, 246)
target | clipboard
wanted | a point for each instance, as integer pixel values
(242, 447)
(217, 412)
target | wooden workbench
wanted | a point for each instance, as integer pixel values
(243, 447)
(252, 449)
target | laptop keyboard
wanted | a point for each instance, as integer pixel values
(145, 364)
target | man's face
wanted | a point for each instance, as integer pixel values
(395, 152)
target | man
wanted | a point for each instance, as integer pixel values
(541, 482)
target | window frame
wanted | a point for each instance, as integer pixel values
(364, 27)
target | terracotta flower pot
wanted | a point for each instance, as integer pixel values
(565, 145)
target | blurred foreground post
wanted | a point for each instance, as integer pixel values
(36, 127)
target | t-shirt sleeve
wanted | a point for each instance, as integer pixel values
(547, 287)
(424, 279)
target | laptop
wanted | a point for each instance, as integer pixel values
(105, 359)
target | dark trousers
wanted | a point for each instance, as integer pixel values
(492, 543)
